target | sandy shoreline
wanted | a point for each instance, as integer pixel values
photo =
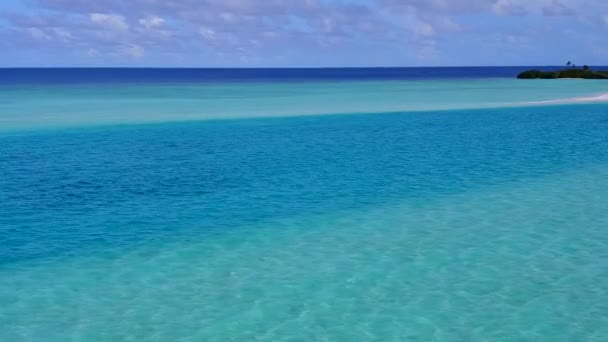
(583, 99)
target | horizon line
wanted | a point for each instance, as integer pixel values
(281, 67)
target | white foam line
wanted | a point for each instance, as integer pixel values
(582, 99)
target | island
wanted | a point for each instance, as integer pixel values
(571, 72)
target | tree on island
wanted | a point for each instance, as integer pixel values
(573, 72)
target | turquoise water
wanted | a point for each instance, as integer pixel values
(482, 221)
(34, 107)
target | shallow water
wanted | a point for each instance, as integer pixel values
(56, 106)
(521, 262)
(454, 225)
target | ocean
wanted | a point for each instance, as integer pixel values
(405, 204)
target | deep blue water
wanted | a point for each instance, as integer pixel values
(71, 191)
(218, 75)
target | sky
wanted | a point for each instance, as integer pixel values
(302, 33)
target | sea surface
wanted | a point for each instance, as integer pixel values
(422, 204)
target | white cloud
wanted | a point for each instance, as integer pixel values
(228, 17)
(136, 51)
(556, 8)
(37, 33)
(270, 34)
(208, 34)
(63, 34)
(204, 28)
(446, 24)
(92, 53)
(113, 22)
(152, 21)
(49, 34)
(424, 30)
(508, 7)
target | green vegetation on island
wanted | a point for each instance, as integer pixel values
(572, 72)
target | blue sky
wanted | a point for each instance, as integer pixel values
(281, 33)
